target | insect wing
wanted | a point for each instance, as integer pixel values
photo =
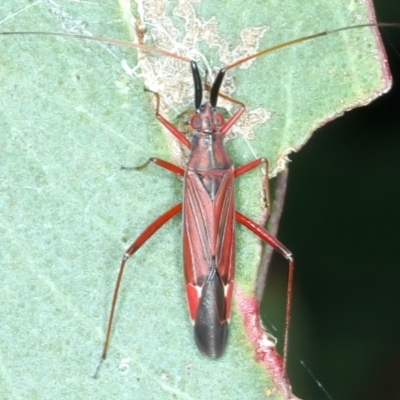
(209, 246)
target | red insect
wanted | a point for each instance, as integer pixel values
(208, 221)
(209, 214)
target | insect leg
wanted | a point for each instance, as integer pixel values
(232, 120)
(173, 129)
(254, 164)
(264, 235)
(161, 163)
(143, 237)
(214, 93)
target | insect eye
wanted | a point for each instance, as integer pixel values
(196, 122)
(219, 119)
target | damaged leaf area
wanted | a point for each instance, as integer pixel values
(72, 112)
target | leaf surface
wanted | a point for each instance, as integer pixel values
(71, 115)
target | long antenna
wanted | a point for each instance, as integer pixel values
(185, 59)
(308, 37)
(103, 39)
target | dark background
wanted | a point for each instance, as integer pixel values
(341, 220)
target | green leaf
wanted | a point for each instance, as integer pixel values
(71, 116)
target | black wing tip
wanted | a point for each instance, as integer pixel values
(211, 325)
(211, 340)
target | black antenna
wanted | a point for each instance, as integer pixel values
(216, 86)
(198, 87)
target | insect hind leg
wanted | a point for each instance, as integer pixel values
(268, 238)
(243, 169)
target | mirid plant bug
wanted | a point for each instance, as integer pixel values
(121, 162)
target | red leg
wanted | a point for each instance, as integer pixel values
(173, 129)
(264, 235)
(164, 164)
(146, 234)
(254, 164)
(232, 120)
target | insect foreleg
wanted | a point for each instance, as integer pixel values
(173, 129)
